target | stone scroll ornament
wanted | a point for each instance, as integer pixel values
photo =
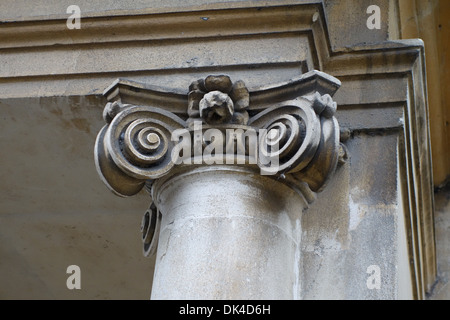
(300, 135)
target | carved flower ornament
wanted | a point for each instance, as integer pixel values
(216, 100)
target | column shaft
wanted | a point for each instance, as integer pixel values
(227, 233)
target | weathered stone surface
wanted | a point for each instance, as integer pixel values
(216, 108)
(441, 290)
(54, 215)
(349, 21)
(217, 100)
(220, 83)
(49, 73)
(236, 234)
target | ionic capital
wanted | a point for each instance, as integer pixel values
(289, 132)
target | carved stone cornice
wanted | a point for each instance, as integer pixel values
(288, 131)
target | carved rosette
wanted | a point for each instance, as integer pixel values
(216, 100)
(295, 139)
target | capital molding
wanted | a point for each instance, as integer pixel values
(288, 131)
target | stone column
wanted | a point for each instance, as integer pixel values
(229, 233)
(228, 189)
